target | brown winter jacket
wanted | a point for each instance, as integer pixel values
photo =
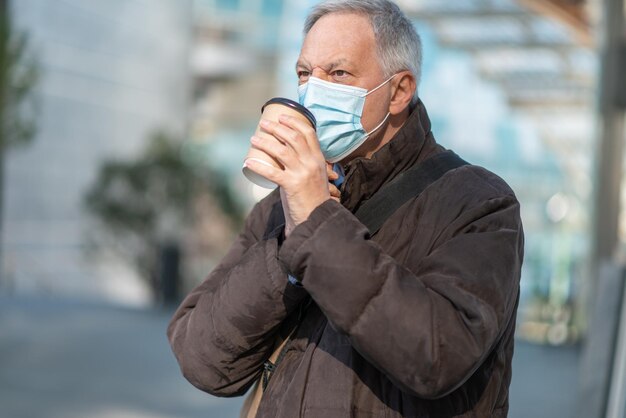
(416, 321)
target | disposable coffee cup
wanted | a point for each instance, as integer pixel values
(271, 110)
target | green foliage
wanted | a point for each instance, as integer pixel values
(19, 73)
(18, 107)
(130, 195)
(149, 200)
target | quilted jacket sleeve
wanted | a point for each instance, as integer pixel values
(428, 328)
(226, 327)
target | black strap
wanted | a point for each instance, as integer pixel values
(375, 211)
(275, 222)
(408, 185)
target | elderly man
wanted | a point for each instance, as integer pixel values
(327, 318)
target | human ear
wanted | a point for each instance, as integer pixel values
(404, 89)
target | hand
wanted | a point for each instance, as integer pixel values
(334, 192)
(304, 181)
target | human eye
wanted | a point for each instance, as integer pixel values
(340, 75)
(303, 75)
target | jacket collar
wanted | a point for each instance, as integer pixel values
(412, 143)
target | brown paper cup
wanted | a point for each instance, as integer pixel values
(272, 109)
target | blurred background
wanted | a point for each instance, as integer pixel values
(123, 125)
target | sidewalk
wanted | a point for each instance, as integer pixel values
(545, 381)
(63, 359)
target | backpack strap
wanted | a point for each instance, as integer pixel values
(408, 185)
(375, 211)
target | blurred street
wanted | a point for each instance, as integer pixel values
(64, 359)
(74, 360)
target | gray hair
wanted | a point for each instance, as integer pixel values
(398, 45)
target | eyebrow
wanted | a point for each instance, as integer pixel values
(328, 68)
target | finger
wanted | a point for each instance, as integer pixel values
(274, 148)
(286, 135)
(298, 124)
(264, 169)
(304, 128)
(334, 191)
(330, 173)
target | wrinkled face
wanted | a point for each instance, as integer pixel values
(341, 48)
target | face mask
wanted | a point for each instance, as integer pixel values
(337, 109)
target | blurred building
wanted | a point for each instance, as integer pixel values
(112, 72)
(239, 50)
(508, 84)
(520, 80)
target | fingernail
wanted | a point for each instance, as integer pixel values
(264, 123)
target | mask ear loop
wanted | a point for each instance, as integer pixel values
(379, 125)
(360, 141)
(379, 86)
(367, 135)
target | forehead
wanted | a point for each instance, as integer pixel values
(340, 36)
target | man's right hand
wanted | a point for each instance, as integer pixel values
(304, 181)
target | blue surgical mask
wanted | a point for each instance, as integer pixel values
(338, 109)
